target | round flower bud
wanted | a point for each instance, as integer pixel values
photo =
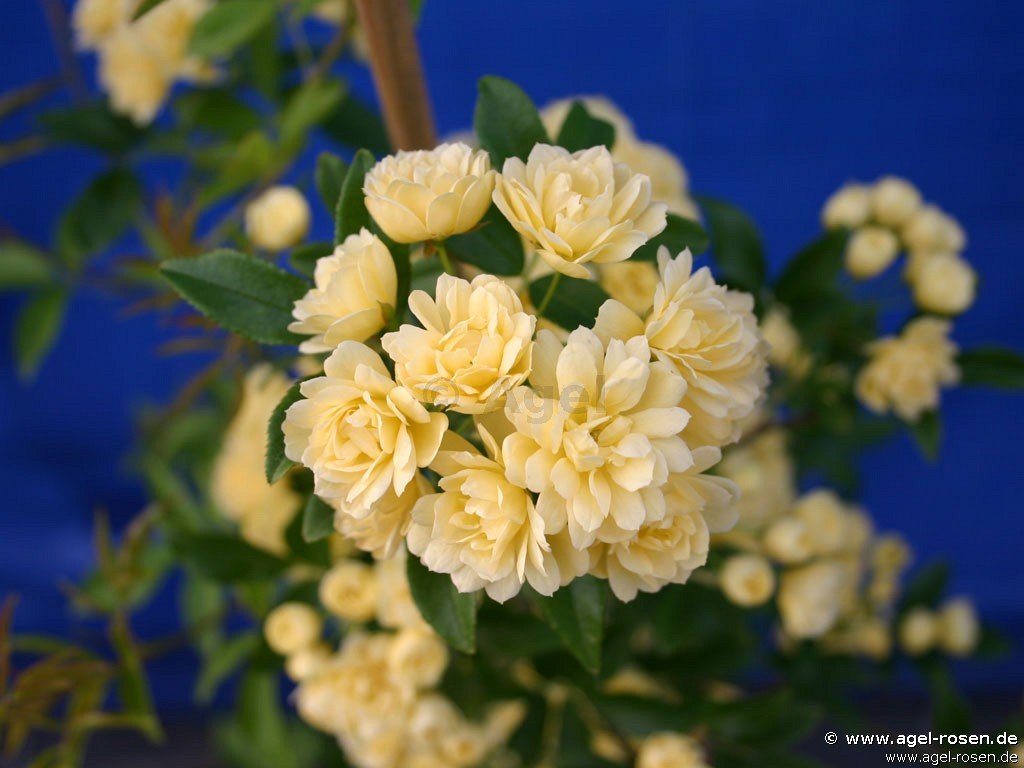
(307, 662)
(931, 230)
(291, 627)
(919, 631)
(894, 201)
(669, 750)
(429, 194)
(958, 631)
(870, 251)
(476, 344)
(417, 657)
(849, 206)
(277, 219)
(809, 598)
(944, 284)
(747, 580)
(873, 639)
(354, 294)
(349, 591)
(789, 541)
(575, 208)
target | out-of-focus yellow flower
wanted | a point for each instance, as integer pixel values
(292, 627)
(277, 219)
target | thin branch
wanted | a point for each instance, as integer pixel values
(21, 148)
(24, 95)
(60, 31)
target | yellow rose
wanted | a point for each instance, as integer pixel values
(382, 531)
(429, 194)
(476, 344)
(417, 657)
(919, 631)
(763, 470)
(291, 627)
(631, 282)
(354, 294)
(93, 21)
(809, 598)
(894, 201)
(785, 349)
(958, 629)
(134, 79)
(904, 373)
(931, 230)
(943, 283)
(849, 206)
(359, 432)
(307, 662)
(575, 208)
(349, 591)
(747, 580)
(870, 251)
(670, 750)
(789, 541)
(277, 219)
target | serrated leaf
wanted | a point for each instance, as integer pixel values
(736, 245)
(451, 613)
(679, 234)
(101, 214)
(23, 266)
(576, 614)
(36, 329)
(581, 130)
(317, 519)
(309, 106)
(223, 557)
(330, 176)
(351, 214)
(228, 25)
(239, 292)
(574, 303)
(276, 463)
(506, 120)
(991, 366)
(813, 270)
(494, 246)
(927, 433)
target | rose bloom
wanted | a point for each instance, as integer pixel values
(747, 580)
(670, 750)
(395, 607)
(429, 194)
(849, 206)
(475, 345)
(349, 590)
(825, 517)
(789, 541)
(597, 434)
(669, 182)
(669, 550)
(382, 532)
(894, 201)
(785, 349)
(870, 251)
(575, 208)
(290, 627)
(165, 32)
(238, 483)
(931, 230)
(484, 529)
(919, 631)
(943, 283)
(709, 335)
(277, 219)
(134, 79)
(355, 290)
(418, 657)
(93, 21)
(631, 282)
(904, 373)
(359, 432)
(809, 598)
(958, 630)
(305, 663)
(763, 470)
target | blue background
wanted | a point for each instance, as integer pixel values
(771, 105)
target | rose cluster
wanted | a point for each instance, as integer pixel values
(503, 449)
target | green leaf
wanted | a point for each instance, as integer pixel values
(581, 130)
(218, 111)
(224, 557)
(203, 607)
(506, 120)
(316, 552)
(240, 292)
(450, 612)
(228, 25)
(355, 125)
(37, 328)
(91, 125)
(23, 266)
(813, 270)
(241, 163)
(330, 175)
(998, 367)
(101, 214)
(276, 463)
(317, 519)
(351, 214)
(145, 7)
(309, 106)
(304, 258)
(575, 302)
(926, 588)
(764, 721)
(222, 662)
(679, 234)
(576, 614)
(642, 717)
(494, 246)
(927, 433)
(951, 713)
(736, 245)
